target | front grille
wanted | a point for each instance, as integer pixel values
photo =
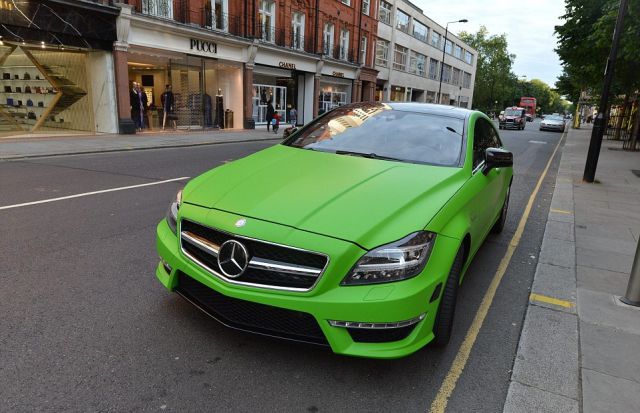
(250, 316)
(382, 335)
(303, 267)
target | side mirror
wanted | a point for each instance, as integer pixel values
(289, 131)
(496, 158)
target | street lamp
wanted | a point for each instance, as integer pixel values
(444, 47)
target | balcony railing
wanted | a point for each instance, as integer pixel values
(157, 8)
(338, 53)
(282, 38)
(223, 22)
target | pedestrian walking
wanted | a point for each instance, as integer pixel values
(143, 107)
(276, 122)
(293, 116)
(270, 113)
(168, 99)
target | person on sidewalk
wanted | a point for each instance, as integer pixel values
(270, 113)
(134, 101)
(293, 116)
(168, 99)
(142, 96)
(276, 122)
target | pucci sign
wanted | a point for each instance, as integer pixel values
(204, 46)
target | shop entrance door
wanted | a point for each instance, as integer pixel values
(262, 94)
(188, 85)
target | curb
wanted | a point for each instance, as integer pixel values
(546, 372)
(141, 148)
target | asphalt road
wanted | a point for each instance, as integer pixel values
(85, 325)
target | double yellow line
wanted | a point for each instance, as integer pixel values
(447, 387)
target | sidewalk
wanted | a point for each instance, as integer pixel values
(41, 145)
(579, 350)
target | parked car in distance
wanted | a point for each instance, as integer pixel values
(514, 118)
(553, 123)
(353, 233)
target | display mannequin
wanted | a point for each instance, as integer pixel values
(220, 109)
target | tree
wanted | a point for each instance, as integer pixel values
(495, 80)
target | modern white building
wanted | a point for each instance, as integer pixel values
(409, 58)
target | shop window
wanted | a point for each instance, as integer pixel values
(398, 94)
(297, 30)
(382, 52)
(331, 98)
(262, 95)
(344, 44)
(327, 39)
(158, 8)
(431, 97)
(267, 20)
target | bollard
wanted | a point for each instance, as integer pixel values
(632, 297)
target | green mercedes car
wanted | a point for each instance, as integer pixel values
(353, 233)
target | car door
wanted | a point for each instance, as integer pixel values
(486, 202)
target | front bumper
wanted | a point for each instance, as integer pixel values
(327, 302)
(559, 128)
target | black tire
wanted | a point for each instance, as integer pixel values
(502, 219)
(443, 324)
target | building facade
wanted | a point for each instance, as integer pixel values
(409, 58)
(227, 60)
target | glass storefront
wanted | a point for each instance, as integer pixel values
(43, 89)
(334, 92)
(278, 86)
(207, 93)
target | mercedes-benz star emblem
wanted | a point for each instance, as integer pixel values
(241, 222)
(233, 258)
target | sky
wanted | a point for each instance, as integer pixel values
(528, 24)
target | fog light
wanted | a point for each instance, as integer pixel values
(377, 326)
(166, 266)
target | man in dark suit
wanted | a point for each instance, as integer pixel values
(135, 102)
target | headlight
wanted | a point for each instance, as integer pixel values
(396, 261)
(172, 212)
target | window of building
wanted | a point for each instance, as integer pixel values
(382, 52)
(347, 2)
(363, 50)
(159, 8)
(466, 80)
(402, 21)
(431, 97)
(456, 76)
(344, 44)
(400, 58)
(398, 93)
(420, 31)
(267, 20)
(435, 39)
(384, 15)
(216, 14)
(366, 6)
(448, 47)
(446, 73)
(433, 69)
(468, 57)
(328, 35)
(457, 51)
(297, 30)
(417, 63)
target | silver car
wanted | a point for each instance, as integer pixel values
(553, 122)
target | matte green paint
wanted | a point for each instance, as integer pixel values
(342, 206)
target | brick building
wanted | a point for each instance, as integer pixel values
(226, 57)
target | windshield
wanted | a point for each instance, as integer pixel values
(553, 117)
(379, 131)
(513, 112)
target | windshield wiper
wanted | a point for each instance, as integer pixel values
(370, 156)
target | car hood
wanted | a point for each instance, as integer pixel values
(366, 201)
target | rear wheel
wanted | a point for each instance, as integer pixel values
(443, 325)
(499, 225)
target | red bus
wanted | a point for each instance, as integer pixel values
(530, 105)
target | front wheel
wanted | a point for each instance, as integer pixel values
(502, 219)
(443, 324)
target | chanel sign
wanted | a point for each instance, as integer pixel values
(204, 46)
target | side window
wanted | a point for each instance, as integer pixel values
(495, 138)
(481, 141)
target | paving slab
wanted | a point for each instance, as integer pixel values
(556, 282)
(548, 352)
(527, 399)
(604, 230)
(599, 308)
(603, 393)
(611, 351)
(604, 260)
(596, 279)
(557, 252)
(560, 230)
(625, 247)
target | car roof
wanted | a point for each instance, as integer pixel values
(426, 108)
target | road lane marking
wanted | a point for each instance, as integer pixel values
(561, 211)
(103, 191)
(550, 300)
(447, 387)
(540, 142)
